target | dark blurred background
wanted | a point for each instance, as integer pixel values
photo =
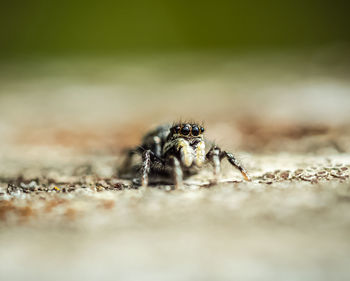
(40, 27)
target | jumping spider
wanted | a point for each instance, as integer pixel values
(177, 150)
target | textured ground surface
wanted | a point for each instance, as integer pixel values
(65, 215)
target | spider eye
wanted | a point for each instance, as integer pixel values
(195, 130)
(202, 129)
(185, 130)
(177, 129)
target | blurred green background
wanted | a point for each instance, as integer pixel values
(40, 27)
(112, 61)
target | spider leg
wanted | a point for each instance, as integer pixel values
(177, 172)
(235, 163)
(146, 167)
(213, 156)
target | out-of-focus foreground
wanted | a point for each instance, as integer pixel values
(64, 213)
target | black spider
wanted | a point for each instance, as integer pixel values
(177, 150)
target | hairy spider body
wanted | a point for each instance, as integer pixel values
(178, 151)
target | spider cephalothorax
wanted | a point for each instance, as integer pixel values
(178, 150)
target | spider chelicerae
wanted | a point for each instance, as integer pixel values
(176, 151)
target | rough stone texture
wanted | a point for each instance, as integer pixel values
(65, 215)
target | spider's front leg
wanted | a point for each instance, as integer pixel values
(215, 155)
(177, 172)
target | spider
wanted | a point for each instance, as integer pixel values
(177, 150)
